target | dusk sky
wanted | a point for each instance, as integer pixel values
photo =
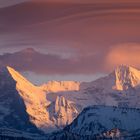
(69, 39)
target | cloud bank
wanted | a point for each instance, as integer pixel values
(37, 62)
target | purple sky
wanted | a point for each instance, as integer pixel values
(81, 38)
(5, 3)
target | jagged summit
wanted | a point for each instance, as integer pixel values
(122, 78)
(126, 77)
(13, 100)
(14, 85)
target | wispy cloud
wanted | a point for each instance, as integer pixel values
(88, 33)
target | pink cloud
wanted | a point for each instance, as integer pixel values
(128, 54)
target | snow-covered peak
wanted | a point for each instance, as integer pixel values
(8, 71)
(126, 77)
(60, 86)
(17, 100)
(121, 79)
(50, 111)
(26, 89)
(46, 115)
(33, 97)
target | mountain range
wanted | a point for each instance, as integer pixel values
(55, 105)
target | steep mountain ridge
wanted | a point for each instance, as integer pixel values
(60, 86)
(35, 104)
(34, 99)
(12, 106)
